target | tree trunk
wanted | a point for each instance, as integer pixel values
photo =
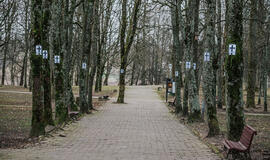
(101, 78)
(209, 85)
(108, 72)
(252, 52)
(234, 70)
(26, 39)
(220, 72)
(22, 72)
(266, 66)
(37, 125)
(98, 70)
(265, 79)
(195, 112)
(86, 48)
(185, 96)
(133, 73)
(126, 44)
(95, 40)
(7, 38)
(61, 111)
(48, 116)
(12, 56)
(178, 54)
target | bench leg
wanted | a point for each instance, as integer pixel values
(246, 155)
(249, 156)
(228, 153)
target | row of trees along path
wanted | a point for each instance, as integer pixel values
(69, 32)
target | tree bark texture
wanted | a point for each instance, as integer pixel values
(61, 111)
(234, 70)
(252, 52)
(37, 123)
(178, 54)
(195, 112)
(220, 72)
(46, 17)
(126, 41)
(209, 85)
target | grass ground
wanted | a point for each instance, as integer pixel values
(16, 113)
(261, 142)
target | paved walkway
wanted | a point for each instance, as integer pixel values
(142, 129)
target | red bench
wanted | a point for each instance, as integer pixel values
(242, 146)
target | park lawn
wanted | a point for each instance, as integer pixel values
(17, 99)
(16, 114)
(15, 125)
(106, 90)
(13, 88)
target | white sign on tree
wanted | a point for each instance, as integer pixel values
(173, 87)
(188, 65)
(232, 49)
(194, 66)
(163, 64)
(38, 50)
(176, 73)
(206, 56)
(122, 71)
(45, 54)
(170, 67)
(84, 66)
(56, 59)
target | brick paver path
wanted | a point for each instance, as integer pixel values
(142, 129)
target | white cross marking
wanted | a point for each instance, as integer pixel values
(38, 49)
(56, 59)
(122, 71)
(206, 56)
(187, 65)
(176, 73)
(232, 49)
(84, 65)
(45, 54)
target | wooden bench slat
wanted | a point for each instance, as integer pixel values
(245, 141)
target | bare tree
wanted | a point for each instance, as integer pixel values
(126, 40)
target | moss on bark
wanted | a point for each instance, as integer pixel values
(234, 70)
(48, 116)
(209, 78)
(37, 123)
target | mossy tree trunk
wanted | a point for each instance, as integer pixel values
(265, 79)
(193, 94)
(209, 85)
(126, 40)
(86, 47)
(95, 40)
(252, 52)
(266, 65)
(69, 7)
(61, 112)
(98, 63)
(220, 72)
(37, 124)
(46, 17)
(185, 44)
(178, 54)
(234, 70)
